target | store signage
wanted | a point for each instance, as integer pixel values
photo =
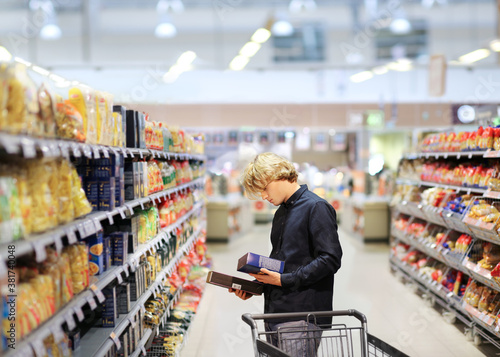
(479, 113)
(374, 119)
(437, 75)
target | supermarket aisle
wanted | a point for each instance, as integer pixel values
(394, 313)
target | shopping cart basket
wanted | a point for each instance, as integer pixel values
(341, 338)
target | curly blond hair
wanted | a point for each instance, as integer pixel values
(264, 169)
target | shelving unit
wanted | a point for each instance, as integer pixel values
(97, 341)
(478, 326)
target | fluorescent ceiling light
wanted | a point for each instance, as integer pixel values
(474, 56)
(250, 49)
(261, 35)
(20, 60)
(361, 76)
(40, 70)
(165, 30)
(5, 54)
(238, 63)
(401, 66)
(186, 58)
(50, 32)
(282, 28)
(400, 26)
(495, 45)
(380, 70)
(299, 5)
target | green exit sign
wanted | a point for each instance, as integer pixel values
(374, 118)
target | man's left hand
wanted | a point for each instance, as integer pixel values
(268, 277)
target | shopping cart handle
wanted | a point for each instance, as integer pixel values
(250, 318)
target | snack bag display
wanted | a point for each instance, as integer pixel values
(66, 206)
(66, 278)
(47, 111)
(83, 99)
(69, 122)
(42, 208)
(78, 268)
(52, 268)
(80, 201)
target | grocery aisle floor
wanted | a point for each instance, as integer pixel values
(394, 313)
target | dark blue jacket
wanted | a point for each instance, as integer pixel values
(304, 236)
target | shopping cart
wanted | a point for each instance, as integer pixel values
(341, 338)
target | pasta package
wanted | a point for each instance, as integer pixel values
(69, 122)
(83, 99)
(51, 267)
(80, 202)
(66, 278)
(47, 111)
(77, 268)
(42, 216)
(66, 206)
(4, 94)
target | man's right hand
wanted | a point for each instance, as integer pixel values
(241, 294)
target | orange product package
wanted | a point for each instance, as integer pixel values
(69, 122)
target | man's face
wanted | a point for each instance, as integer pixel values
(275, 192)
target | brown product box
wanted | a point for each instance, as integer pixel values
(228, 281)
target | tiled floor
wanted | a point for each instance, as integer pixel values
(395, 314)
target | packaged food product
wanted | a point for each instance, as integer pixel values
(51, 267)
(83, 99)
(69, 122)
(66, 277)
(41, 197)
(47, 111)
(66, 207)
(80, 201)
(4, 93)
(76, 267)
(11, 223)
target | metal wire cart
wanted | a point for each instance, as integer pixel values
(344, 337)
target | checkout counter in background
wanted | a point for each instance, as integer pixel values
(229, 214)
(363, 206)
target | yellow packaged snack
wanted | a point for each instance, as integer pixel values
(4, 93)
(117, 131)
(66, 278)
(83, 99)
(52, 168)
(41, 198)
(77, 268)
(16, 109)
(47, 111)
(69, 122)
(80, 202)
(44, 288)
(51, 267)
(65, 201)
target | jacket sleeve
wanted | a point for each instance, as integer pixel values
(325, 245)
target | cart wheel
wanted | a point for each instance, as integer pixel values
(449, 317)
(477, 339)
(429, 300)
(469, 334)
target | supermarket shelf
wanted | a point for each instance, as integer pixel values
(87, 225)
(445, 155)
(98, 341)
(31, 147)
(66, 315)
(469, 190)
(142, 343)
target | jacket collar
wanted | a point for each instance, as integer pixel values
(296, 195)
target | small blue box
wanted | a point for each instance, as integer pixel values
(119, 245)
(106, 194)
(252, 263)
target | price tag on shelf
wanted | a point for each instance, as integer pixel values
(142, 204)
(58, 243)
(116, 340)
(28, 148)
(497, 328)
(87, 151)
(79, 313)
(119, 277)
(97, 224)
(81, 230)
(125, 270)
(130, 209)
(70, 320)
(76, 150)
(57, 333)
(110, 218)
(92, 303)
(90, 228)
(122, 213)
(140, 154)
(71, 236)
(63, 147)
(132, 321)
(40, 252)
(105, 153)
(98, 293)
(39, 347)
(95, 151)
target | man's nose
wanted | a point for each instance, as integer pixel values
(263, 195)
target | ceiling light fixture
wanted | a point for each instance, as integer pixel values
(282, 26)
(238, 63)
(165, 27)
(297, 6)
(361, 76)
(474, 56)
(250, 49)
(261, 35)
(5, 55)
(380, 70)
(182, 65)
(495, 45)
(45, 9)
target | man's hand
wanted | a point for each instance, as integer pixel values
(268, 277)
(241, 294)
